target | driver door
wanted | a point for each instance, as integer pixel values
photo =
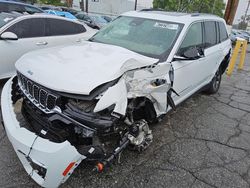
(189, 74)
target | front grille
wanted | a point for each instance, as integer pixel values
(40, 95)
(36, 92)
(43, 97)
(56, 131)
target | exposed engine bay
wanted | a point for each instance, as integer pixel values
(100, 126)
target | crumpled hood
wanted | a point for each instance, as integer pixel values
(79, 68)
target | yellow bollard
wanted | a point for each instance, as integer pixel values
(235, 55)
(243, 55)
(234, 58)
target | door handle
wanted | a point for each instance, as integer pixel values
(41, 43)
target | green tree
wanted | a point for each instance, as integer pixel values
(51, 2)
(203, 6)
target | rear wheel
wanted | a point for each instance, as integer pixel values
(214, 85)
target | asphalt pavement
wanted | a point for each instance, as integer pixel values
(205, 143)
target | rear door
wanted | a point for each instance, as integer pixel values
(29, 32)
(225, 42)
(213, 49)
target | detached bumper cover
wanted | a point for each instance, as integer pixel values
(35, 152)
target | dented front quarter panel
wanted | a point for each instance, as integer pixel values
(117, 95)
(138, 83)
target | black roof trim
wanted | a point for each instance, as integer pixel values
(173, 13)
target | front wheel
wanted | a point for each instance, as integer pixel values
(214, 85)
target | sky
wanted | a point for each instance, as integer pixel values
(240, 10)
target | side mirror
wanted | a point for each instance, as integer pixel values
(190, 54)
(8, 36)
(193, 53)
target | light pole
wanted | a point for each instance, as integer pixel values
(230, 11)
(135, 4)
(87, 6)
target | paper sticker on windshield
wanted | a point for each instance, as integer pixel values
(7, 19)
(166, 25)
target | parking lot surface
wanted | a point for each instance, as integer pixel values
(205, 143)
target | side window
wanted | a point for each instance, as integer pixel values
(16, 8)
(210, 33)
(223, 32)
(193, 38)
(3, 7)
(29, 28)
(57, 27)
(31, 10)
(80, 16)
(86, 18)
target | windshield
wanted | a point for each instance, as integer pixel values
(152, 38)
(5, 18)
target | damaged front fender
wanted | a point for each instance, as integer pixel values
(117, 95)
(150, 82)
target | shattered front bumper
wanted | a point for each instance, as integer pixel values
(48, 163)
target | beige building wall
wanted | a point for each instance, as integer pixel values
(111, 7)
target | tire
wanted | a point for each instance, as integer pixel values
(214, 85)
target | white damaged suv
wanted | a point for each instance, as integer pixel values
(90, 101)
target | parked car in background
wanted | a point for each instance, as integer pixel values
(94, 21)
(235, 34)
(71, 10)
(61, 13)
(92, 100)
(20, 34)
(12, 6)
(49, 7)
(233, 37)
(246, 35)
(107, 18)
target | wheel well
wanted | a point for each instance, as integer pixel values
(142, 108)
(225, 62)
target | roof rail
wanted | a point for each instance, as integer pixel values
(195, 14)
(203, 14)
(152, 9)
